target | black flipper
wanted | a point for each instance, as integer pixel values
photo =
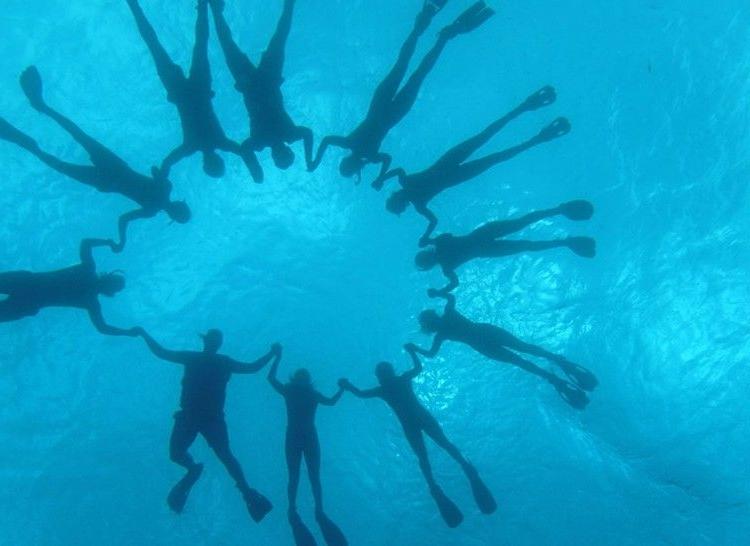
(179, 494)
(31, 83)
(302, 535)
(579, 375)
(452, 516)
(571, 394)
(257, 505)
(482, 495)
(584, 247)
(331, 532)
(577, 210)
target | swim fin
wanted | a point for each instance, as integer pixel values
(179, 494)
(571, 394)
(577, 210)
(31, 84)
(556, 129)
(583, 246)
(302, 535)
(579, 375)
(469, 20)
(448, 510)
(544, 97)
(11, 134)
(331, 532)
(257, 505)
(482, 495)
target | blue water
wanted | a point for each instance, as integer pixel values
(659, 96)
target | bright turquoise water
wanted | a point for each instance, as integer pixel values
(659, 96)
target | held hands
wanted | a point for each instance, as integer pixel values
(410, 348)
(344, 384)
(276, 350)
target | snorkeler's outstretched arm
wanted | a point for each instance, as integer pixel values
(273, 375)
(330, 401)
(452, 277)
(437, 342)
(87, 251)
(122, 226)
(383, 178)
(258, 365)
(432, 220)
(331, 140)
(417, 368)
(385, 161)
(178, 357)
(95, 313)
(175, 156)
(346, 385)
(450, 301)
(305, 134)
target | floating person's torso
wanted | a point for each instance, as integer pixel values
(486, 338)
(301, 406)
(269, 120)
(421, 187)
(74, 286)
(118, 177)
(204, 385)
(453, 251)
(400, 396)
(200, 126)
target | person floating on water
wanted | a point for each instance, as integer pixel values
(500, 345)
(487, 241)
(389, 104)
(302, 401)
(192, 95)
(454, 167)
(204, 385)
(108, 173)
(271, 126)
(397, 391)
(78, 286)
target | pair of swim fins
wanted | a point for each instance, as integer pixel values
(482, 496)
(303, 537)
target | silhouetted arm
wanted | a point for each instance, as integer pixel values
(385, 161)
(179, 357)
(330, 401)
(305, 134)
(417, 368)
(432, 224)
(346, 385)
(252, 367)
(175, 156)
(272, 376)
(383, 178)
(86, 251)
(340, 141)
(125, 219)
(450, 299)
(450, 274)
(95, 313)
(437, 342)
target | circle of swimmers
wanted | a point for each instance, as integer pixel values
(207, 372)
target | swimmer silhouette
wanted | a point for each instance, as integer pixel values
(452, 251)
(271, 126)
(78, 286)
(453, 168)
(398, 393)
(204, 386)
(302, 401)
(192, 95)
(107, 173)
(498, 344)
(389, 104)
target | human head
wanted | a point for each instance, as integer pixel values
(301, 378)
(429, 321)
(212, 340)
(178, 211)
(213, 164)
(384, 372)
(426, 259)
(397, 202)
(350, 166)
(282, 155)
(111, 283)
